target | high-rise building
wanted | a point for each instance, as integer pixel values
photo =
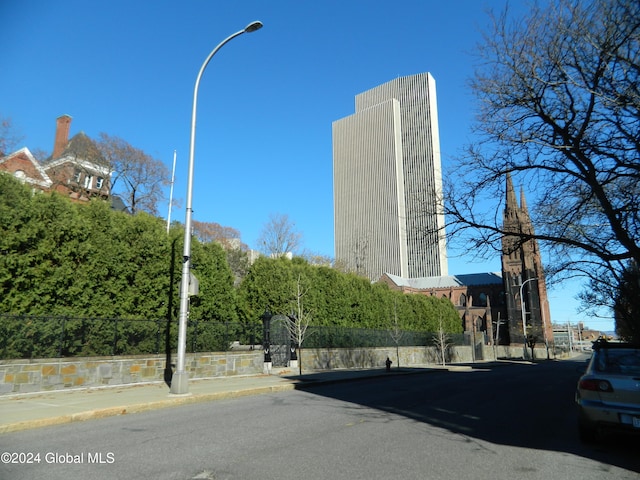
(387, 180)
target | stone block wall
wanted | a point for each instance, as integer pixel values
(340, 358)
(23, 376)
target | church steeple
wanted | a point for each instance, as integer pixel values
(511, 203)
(522, 271)
(525, 220)
(523, 203)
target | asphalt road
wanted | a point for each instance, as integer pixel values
(507, 422)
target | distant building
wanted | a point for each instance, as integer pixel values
(575, 336)
(387, 180)
(23, 166)
(478, 297)
(491, 303)
(75, 169)
(76, 166)
(252, 256)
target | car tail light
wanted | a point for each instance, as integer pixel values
(596, 385)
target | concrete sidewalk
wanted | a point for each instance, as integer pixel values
(34, 410)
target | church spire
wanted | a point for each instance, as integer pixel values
(511, 204)
(523, 203)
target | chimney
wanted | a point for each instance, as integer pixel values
(63, 123)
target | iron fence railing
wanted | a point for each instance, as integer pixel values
(26, 336)
(345, 337)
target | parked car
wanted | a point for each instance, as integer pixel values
(608, 394)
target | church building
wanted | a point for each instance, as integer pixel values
(525, 288)
(497, 307)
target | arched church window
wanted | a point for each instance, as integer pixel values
(501, 299)
(482, 299)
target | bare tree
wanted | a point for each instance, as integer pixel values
(279, 236)
(298, 322)
(626, 308)
(559, 110)
(138, 178)
(229, 239)
(8, 136)
(40, 154)
(317, 258)
(358, 256)
(442, 342)
(532, 340)
(361, 255)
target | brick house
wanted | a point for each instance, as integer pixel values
(75, 169)
(22, 165)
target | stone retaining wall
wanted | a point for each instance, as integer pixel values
(21, 376)
(341, 358)
(338, 358)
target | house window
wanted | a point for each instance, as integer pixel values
(88, 180)
(76, 176)
(99, 182)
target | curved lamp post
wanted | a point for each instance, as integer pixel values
(180, 380)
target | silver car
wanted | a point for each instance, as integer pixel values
(608, 394)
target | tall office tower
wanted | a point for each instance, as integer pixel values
(387, 179)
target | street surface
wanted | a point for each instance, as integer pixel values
(507, 422)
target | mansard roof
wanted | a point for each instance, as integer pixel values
(80, 147)
(82, 151)
(446, 281)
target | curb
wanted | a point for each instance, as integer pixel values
(172, 401)
(294, 383)
(188, 399)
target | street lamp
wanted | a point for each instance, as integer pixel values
(522, 309)
(180, 380)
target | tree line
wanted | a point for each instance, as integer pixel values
(65, 259)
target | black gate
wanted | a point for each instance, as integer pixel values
(280, 341)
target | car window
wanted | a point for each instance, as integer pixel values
(626, 362)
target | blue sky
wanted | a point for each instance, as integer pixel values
(266, 101)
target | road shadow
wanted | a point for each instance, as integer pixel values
(509, 403)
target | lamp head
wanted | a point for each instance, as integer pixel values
(253, 26)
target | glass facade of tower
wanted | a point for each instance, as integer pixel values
(387, 181)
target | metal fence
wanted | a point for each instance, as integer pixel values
(345, 337)
(25, 336)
